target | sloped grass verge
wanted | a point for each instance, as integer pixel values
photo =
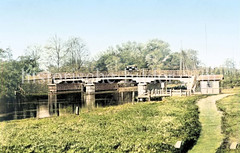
(142, 127)
(230, 106)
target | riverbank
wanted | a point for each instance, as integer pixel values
(142, 127)
(230, 106)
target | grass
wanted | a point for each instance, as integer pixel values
(230, 106)
(142, 127)
(210, 118)
(234, 90)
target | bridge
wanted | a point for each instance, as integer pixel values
(135, 81)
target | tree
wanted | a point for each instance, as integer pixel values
(56, 52)
(231, 77)
(189, 60)
(229, 64)
(100, 63)
(5, 54)
(130, 53)
(172, 62)
(34, 54)
(11, 72)
(153, 54)
(77, 53)
(29, 65)
(117, 58)
(156, 51)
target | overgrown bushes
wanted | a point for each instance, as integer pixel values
(33, 88)
(142, 127)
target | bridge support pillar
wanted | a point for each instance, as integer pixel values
(90, 96)
(90, 101)
(142, 88)
(53, 105)
(90, 88)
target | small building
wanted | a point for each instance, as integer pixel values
(210, 84)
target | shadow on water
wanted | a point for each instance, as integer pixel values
(58, 104)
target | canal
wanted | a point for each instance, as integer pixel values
(59, 104)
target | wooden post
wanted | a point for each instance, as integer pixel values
(122, 97)
(133, 96)
(77, 110)
(180, 92)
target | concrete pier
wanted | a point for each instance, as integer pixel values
(90, 96)
(90, 88)
(90, 101)
(142, 88)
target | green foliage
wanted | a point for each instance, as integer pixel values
(114, 59)
(28, 64)
(231, 81)
(10, 78)
(156, 51)
(11, 73)
(230, 120)
(154, 54)
(142, 127)
(5, 54)
(34, 88)
(189, 59)
(100, 63)
(172, 62)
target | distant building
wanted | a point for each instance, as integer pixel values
(210, 84)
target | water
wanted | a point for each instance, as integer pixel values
(58, 105)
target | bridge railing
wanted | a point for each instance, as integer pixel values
(146, 72)
(139, 73)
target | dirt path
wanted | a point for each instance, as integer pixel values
(210, 118)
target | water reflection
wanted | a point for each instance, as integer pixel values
(60, 104)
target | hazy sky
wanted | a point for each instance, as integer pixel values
(105, 23)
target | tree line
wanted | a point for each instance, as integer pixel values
(72, 55)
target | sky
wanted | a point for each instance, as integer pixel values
(212, 27)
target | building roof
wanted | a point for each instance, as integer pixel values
(210, 78)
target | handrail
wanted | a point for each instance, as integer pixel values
(98, 74)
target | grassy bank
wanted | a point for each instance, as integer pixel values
(230, 120)
(143, 127)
